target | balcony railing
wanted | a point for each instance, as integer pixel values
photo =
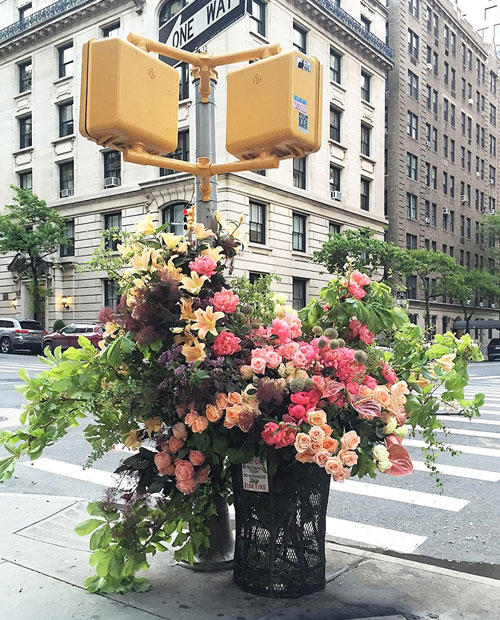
(41, 16)
(357, 27)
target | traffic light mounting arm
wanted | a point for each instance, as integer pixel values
(203, 168)
(204, 63)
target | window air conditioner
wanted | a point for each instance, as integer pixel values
(471, 101)
(66, 192)
(446, 211)
(492, 181)
(427, 220)
(445, 162)
(111, 182)
(480, 304)
(428, 143)
(335, 195)
(478, 175)
(492, 211)
(492, 306)
(463, 198)
(429, 66)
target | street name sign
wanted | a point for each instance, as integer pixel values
(200, 21)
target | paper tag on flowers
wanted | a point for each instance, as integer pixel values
(255, 476)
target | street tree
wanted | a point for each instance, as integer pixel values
(365, 252)
(490, 229)
(470, 288)
(34, 230)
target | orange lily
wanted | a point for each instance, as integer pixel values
(206, 320)
(194, 283)
(194, 351)
(187, 313)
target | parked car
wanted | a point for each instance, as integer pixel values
(494, 350)
(21, 334)
(68, 336)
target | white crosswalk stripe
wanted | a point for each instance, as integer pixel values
(468, 432)
(457, 418)
(96, 476)
(461, 472)
(418, 443)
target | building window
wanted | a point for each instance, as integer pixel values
(26, 180)
(335, 67)
(299, 38)
(411, 287)
(113, 30)
(412, 85)
(183, 70)
(299, 232)
(66, 58)
(257, 12)
(412, 167)
(299, 173)
(365, 139)
(412, 44)
(365, 86)
(112, 223)
(411, 206)
(335, 116)
(181, 152)
(69, 234)
(25, 76)
(173, 215)
(365, 194)
(257, 223)
(25, 132)
(412, 125)
(25, 11)
(111, 297)
(66, 179)
(334, 228)
(413, 8)
(299, 293)
(66, 119)
(112, 168)
(411, 241)
(367, 24)
(334, 179)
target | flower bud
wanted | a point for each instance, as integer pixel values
(331, 333)
(360, 357)
(247, 309)
(317, 330)
(255, 325)
(334, 344)
(322, 343)
(296, 385)
(341, 342)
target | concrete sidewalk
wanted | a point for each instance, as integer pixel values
(43, 565)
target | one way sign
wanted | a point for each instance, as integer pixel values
(200, 21)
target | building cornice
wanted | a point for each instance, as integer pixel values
(52, 19)
(340, 24)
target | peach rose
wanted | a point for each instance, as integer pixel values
(221, 401)
(330, 444)
(348, 457)
(321, 457)
(202, 474)
(316, 418)
(234, 398)
(316, 433)
(327, 428)
(246, 372)
(350, 441)
(183, 470)
(258, 365)
(316, 445)
(179, 431)
(196, 458)
(342, 475)
(304, 457)
(163, 460)
(186, 486)
(213, 413)
(232, 416)
(174, 444)
(333, 465)
(199, 424)
(302, 442)
(382, 396)
(400, 389)
(190, 418)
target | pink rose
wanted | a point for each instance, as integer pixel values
(269, 433)
(302, 442)
(226, 343)
(163, 461)
(348, 457)
(186, 486)
(273, 360)
(360, 278)
(298, 412)
(350, 441)
(179, 431)
(370, 382)
(321, 457)
(202, 474)
(225, 301)
(246, 372)
(342, 475)
(365, 335)
(258, 365)
(183, 470)
(281, 329)
(316, 433)
(300, 360)
(175, 444)
(204, 266)
(196, 457)
(333, 465)
(356, 291)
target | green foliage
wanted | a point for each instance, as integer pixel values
(58, 324)
(258, 296)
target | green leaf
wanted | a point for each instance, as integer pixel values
(24, 375)
(141, 585)
(7, 468)
(100, 538)
(94, 509)
(88, 526)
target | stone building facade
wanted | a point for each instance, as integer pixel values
(442, 142)
(289, 212)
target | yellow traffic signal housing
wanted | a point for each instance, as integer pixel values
(128, 97)
(274, 107)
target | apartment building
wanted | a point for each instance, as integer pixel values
(484, 17)
(289, 212)
(442, 152)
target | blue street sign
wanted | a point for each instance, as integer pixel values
(200, 21)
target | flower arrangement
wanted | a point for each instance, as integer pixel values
(196, 372)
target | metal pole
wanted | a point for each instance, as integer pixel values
(205, 147)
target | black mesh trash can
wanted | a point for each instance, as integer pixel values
(280, 534)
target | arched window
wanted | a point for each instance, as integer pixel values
(167, 11)
(173, 214)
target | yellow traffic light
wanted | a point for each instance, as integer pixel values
(128, 97)
(274, 107)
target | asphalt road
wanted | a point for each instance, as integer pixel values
(456, 526)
